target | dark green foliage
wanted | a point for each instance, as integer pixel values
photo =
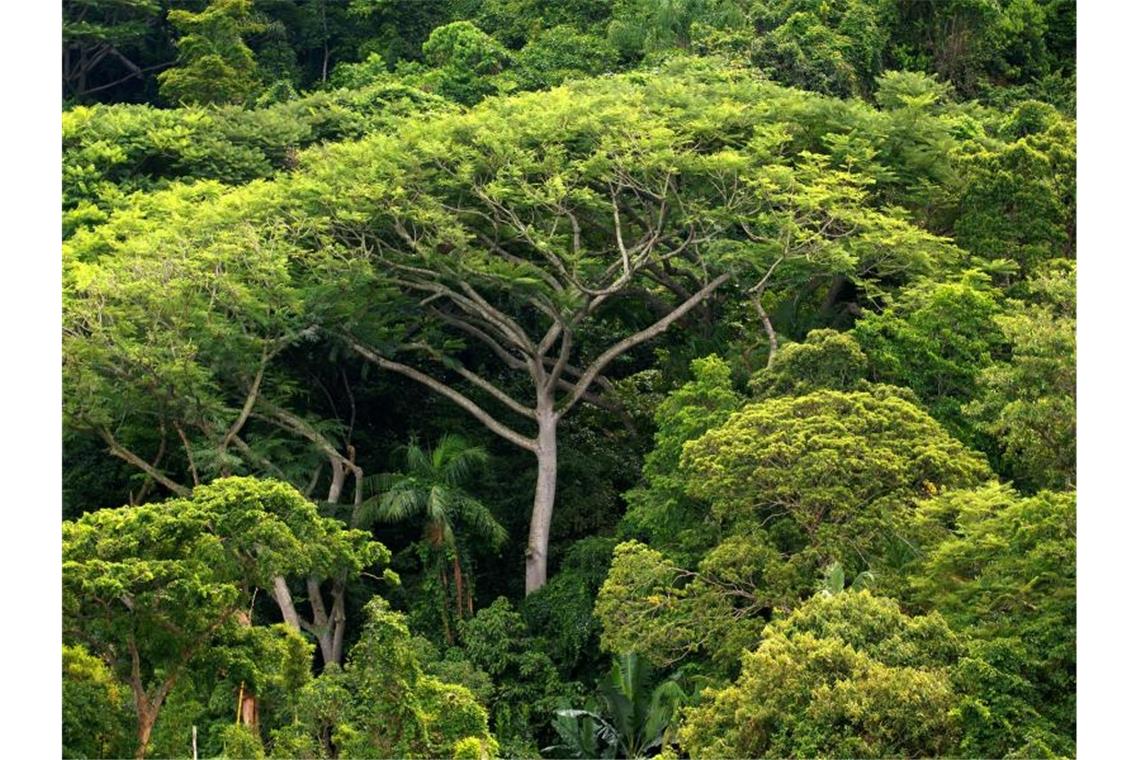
(431, 491)
(1019, 201)
(214, 63)
(935, 339)
(634, 717)
(382, 704)
(835, 47)
(561, 613)
(1004, 567)
(527, 685)
(660, 510)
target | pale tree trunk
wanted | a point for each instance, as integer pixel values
(546, 452)
(285, 601)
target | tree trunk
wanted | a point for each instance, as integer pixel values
(339, 621)
(147, 716)
(458, 573)
(546, 452)
(285, 602)
(443, 606)
(248, 712)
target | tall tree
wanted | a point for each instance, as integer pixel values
(431, 488)
(544, 233)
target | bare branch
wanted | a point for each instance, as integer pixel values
(637, 338)
(444, 390)
(247, 407)
(128, 456)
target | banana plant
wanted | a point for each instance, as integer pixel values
(636, 718)
(835, 580)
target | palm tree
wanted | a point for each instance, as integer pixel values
(431, 488)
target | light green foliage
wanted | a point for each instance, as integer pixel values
(826, 360)
(795, 484)
(846, 675)
(240, 741)
(110, 151)
(139, 585)
(164, 585)
(1028, 401)
(271, 663)
(493, 199)
(1019, 200)
(1004, 568)
(293, 742)
(95, 708)
(383, 705)
(667, 612)
(162, 354)
(660, 510)
(471, 748)
(935, 338)
(214, 63)
(840, 471)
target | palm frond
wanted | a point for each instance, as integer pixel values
(455, 459)
(476, 516)
(392, 506)
(418, 459)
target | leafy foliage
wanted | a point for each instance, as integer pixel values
(798, 268)
(845, 674)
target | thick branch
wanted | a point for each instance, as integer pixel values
(444, 390)
(132, 458)
(637, 338)
(247, 407)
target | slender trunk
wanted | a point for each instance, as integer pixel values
(339, 621)
(337, 484)
(147, 716)
(458, 573)
(443, 606)
(546, 453)
(773, 344)
(322, 626)
(325, 642)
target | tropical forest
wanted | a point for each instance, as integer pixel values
(568, 378)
